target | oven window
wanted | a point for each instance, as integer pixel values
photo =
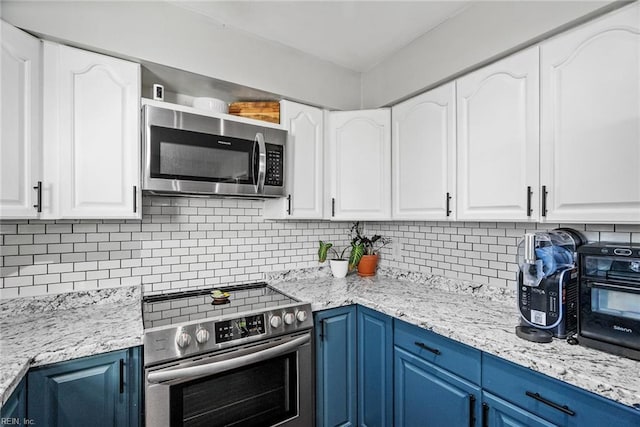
(181, 154)
(261, 394)
(615, 303)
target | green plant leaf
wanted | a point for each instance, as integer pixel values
(357, 250)
(323, 250)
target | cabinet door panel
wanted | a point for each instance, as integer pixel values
(424, 155)
(501, 413)
(98, 133)
(360, 144)
(375, 368)
(590, 149)
(498, 140)
(335, 332)
(425, 395)
(16, 405)
(20, 143)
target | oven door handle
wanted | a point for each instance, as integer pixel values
(226, 365)
(262, 162)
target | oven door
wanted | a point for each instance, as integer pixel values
(610, 312)
(195, 154)
(267, 384)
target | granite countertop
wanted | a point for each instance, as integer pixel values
(480, 316)
(37, 331)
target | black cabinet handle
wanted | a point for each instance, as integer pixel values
(38, 204)
(544, 200)
(529, 201)
(323, 334)
(289, 204)
(426, 347)
(554, 405)
(121, 376)
(448, 198)
(135, 199)
(485, 415)
(472, 410)
(333, 207)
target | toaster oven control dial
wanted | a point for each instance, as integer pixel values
(301, 316)
(289, 318)
(183, 339)
(275, 322)
(202, 335)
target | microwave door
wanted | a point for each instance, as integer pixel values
(261, 163)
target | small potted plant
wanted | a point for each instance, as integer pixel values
(339, 264)
(364, 252)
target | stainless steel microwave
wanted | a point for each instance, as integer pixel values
(193, 154)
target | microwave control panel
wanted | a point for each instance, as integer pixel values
(275, 165)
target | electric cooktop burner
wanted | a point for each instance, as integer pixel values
(182, 324)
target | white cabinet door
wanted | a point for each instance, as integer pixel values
(92, 120)
(498, 140)
(20, 126)
(304, 164)
(590, 147)
(423, 153)
(360, 153)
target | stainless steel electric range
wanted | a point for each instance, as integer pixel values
(241, 358)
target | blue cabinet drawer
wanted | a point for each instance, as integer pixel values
(554, 401)
(455, 357)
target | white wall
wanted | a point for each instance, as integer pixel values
(159, 32)
(482, 32)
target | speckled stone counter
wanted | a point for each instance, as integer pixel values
(38, 331)
(480, 316)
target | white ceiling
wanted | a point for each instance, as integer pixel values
(353, 34)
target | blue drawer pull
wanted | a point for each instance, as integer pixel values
(554, 405)
(426, 347)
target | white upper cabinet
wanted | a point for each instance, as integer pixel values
(92, 128)
(590, 147)
(423, 147)
(20, 126)
(498, 140)
(304, 164)
(360, 164)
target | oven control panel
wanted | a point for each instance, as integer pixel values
(242, 327)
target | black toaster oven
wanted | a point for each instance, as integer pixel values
(609, 298)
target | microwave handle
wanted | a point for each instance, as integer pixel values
(226, 365)
(262, 162)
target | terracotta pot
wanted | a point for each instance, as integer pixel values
(367, 265)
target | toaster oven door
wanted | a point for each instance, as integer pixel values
(610, 312)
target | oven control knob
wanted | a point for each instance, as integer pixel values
(289, 318)
(275, 321)
(301, 316)
(202, 336)
(183, 339)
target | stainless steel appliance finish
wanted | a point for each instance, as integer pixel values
(609, 299)
(192, 154)
(248, 361)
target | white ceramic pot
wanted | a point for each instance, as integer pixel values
(339, 267)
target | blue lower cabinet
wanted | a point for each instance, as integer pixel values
(102, 390)
(15, 407)
(497, 412)
(335, 338)
(375, 368)
(426, 395)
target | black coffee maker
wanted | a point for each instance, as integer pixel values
(548, 284)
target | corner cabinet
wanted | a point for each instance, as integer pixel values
(498, 140)
(305, 173)
(423, 154)
(15, 408)
(335, 338)
(21, 139)
(360, 164)
(91, 134)
(590, 148)
(101, 390)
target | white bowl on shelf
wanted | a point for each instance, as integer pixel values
(211, 104)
